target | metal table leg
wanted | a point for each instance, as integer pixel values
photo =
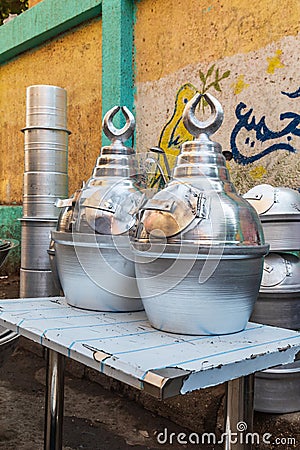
(54, 401)
(239, 414)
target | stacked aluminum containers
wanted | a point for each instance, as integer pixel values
(278, 390)
(45, 180)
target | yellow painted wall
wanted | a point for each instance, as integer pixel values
(171, 34)
(72, 61)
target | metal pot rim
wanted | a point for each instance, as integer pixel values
(13, 243)
(90, 240)
(199, 251)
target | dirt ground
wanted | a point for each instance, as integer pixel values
(104, 417)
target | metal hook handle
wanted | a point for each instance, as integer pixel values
(161, 151)
(209, 126)
(113, 133)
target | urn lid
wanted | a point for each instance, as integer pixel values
(276, 202)
(200, 203)
(107, 204)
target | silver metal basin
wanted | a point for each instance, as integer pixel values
(279, 212)
(8, 341)
(278, 310)
(278, 303)
(277, 390)
(200, 294)
(5, 246)
(97, 272)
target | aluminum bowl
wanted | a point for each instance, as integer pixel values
(5, 246)
(277, 390)
(97, 272)
(279, 212)
(278, 302)
(199, 294)
(8, 342)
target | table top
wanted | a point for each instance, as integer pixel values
(126, 347)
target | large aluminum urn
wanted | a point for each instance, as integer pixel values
(91, 245)
(199, 246)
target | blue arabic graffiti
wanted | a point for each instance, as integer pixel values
(295, 94)
(262, 133)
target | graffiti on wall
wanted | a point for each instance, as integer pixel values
(251, 136)
(174, 132)
(262, 134)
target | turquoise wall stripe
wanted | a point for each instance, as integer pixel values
(42, 22)
(117, 55)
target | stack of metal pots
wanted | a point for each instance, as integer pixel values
(45, 180)
(91, 246)
(278, 390)
(7, 337)
(199, 246)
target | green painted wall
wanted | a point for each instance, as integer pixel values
(10, 227)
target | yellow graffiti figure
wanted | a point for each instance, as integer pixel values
(239, 85)
(174, 132)
(274, 62)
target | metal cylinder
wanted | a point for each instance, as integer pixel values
(54, 410)
(239, 413)
(45, 180)
(46, 150)
(41, 206)
(35, 238)
(46, 106)
(45, 183)
(37, 283)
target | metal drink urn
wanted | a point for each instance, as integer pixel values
(199, 246)
(91, 246)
